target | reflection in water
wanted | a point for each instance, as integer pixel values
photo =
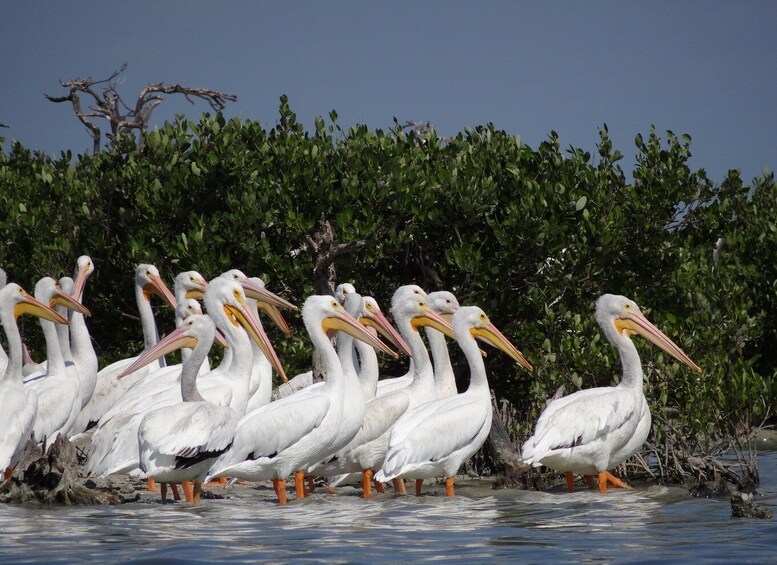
(655, 523)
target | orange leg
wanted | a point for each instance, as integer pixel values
(399, 485)
(570, 481)
(589, 480)
(188, 491)
(8, 473)
(418, 484)
(299, 483)
(379, 487)
(449, 490)
(150, 485)
(280, 489)
(605, 477)
(311, 484)
(196, 493)
(367, 482)
(176, 494)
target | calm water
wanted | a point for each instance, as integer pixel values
(651, 524)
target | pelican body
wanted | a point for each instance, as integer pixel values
(594, 430)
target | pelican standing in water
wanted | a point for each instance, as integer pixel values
(435, 438)
(595, 430)
(18, 405)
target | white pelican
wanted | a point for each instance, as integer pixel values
(395, 383)
(58, 389)
(356, 390)
(435, 438)
(81, 348)
(179, 443)
(594, 430)
(290, 434)
(107, 388)
(18, 406)
(367, 449)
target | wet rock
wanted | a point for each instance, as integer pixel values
(711, 489)
(51, 478)
(743, 506)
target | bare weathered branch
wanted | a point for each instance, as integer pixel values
(109, 105)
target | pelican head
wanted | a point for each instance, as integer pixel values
(228, 295)
(444, 303)
(473, 320)
(190, 284)
(47, 291)
(372, 316)
(330, 316)
(84, 268)
(620, 318)
(15, 301)
(413, 309)
(408, 290)
(147, 277)
(194, 329)
(343, 290)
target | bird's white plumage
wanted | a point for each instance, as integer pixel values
(591, 431)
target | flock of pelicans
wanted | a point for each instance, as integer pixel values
(189, 424)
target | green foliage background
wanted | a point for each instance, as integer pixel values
(533, 236)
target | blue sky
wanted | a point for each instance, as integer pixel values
(708, 69)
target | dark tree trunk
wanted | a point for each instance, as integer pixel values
(324, 251)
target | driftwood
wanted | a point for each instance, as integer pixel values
(324, 251)
(52, 478)
(514, 473)
(106, 103)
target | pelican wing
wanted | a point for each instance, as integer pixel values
(380, 414)
(188, 429)
(577, 420)
(432, 431)
(18, 408)
(270, 429)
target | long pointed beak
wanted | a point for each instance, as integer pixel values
(378, 321)
(432, 319)
(159, 288)
(69, 302)
(29, 305)
(80, 283)
(220, 340)
(641, 325)
(261, 294)
(275, 315)
(254, 328)
(176, 340)
(344, 322)
(493, 336)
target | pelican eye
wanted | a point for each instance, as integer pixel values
(335, 304)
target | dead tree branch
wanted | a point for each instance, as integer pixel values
(105, 102)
